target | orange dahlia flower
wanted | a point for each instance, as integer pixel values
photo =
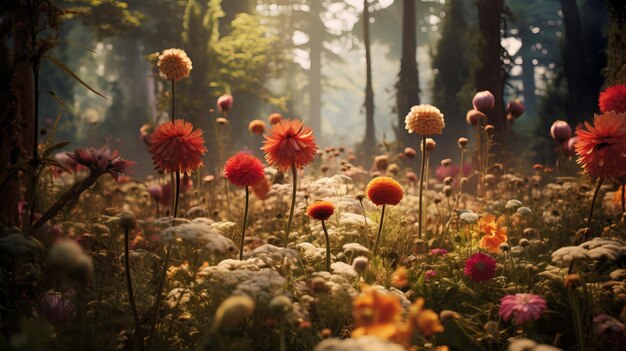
(244, 170)
(494, 234)
(384, 191)
(601, 148)
(613, 98)
(288, 143)
(262, 189)
(320, 210)
(175, 146)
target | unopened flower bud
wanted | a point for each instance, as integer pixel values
(447, 190)
(462, 142)
(572, 281)
(280, 305)
(233, 311)
(360, 264)
(127, 220)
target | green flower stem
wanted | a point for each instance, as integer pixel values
(243, 230)
(327, 246)
(131, 295)
(294, 172)
(380, 229)
(421, 188)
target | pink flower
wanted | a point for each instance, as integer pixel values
(225, 102)
(430, 274)
(514, 109)
(483, 101)
(526, 307)
(101, 160)
(480, 267)
(438, 252)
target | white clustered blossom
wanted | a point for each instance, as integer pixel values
(344, 270)
(513, 204)
(273, 256)
(566, 254)
(366, 343)
(202, 233)
(605, 248)
(469, 217)
(347, 219)
(524, 210)
(530, 345)
(311, 253)
(355, 249)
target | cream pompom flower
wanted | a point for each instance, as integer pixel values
(174, 64)
(425, 120)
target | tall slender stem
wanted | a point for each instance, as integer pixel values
(327, 246)
(131, 295)
(294, 172)
(588, 228)
(380, 229)
(243, 230)
(173, 100)
(421, 189)
(623, 198)
(458, 196)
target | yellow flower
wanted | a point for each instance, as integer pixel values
(376, 313)
(400, 277)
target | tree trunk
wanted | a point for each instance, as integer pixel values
(616, 60)
(408, 79)
(316, 38)
(490, 75)
(574, 62)
(369, 143)
(528, 69)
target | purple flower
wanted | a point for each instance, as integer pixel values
(101, 160)
(483, 101)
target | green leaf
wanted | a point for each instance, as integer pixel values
(72, 74)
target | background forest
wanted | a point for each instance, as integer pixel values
(306, 59)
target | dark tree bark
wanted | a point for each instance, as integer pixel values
(490, 75)
(450, 63)
(316, 38)
(408, 79)
(575, 63)
(369, 142)
(616, 60)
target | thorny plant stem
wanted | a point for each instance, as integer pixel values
(131, 295)
(380, 230)
(294, 172)
(243, 230)
(327, 246)
(421, 188)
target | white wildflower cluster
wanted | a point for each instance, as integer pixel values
(355, 249)
(205, 232)
(311, 254)
(596, 249)
(345, 270)
(469, 217)
(529, 345)
(366, 343)
(513, 205)
(273, 256)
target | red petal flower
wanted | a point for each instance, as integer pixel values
(175, 146)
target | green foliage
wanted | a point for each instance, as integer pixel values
(248, 58)
(109, 17)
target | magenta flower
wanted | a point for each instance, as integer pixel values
(101, 160)
(438, 252)
(524, 307)
(480, 267)
(430, 274)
